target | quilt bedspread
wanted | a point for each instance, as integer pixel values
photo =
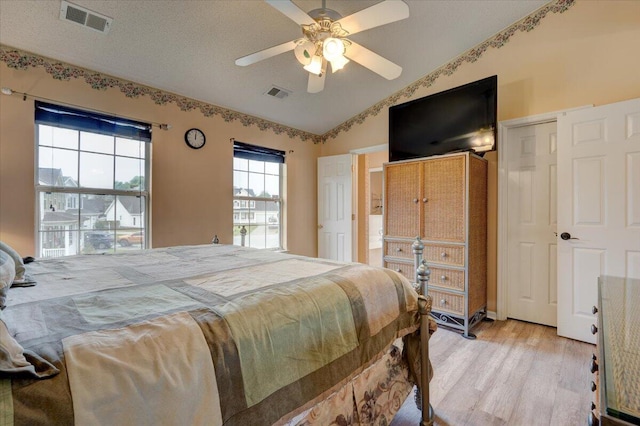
(205, 335)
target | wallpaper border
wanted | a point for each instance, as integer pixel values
(22, 60)
(472, 55)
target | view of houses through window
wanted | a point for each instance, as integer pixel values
(257, 203)
(91, 192)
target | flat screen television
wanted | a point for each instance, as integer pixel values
(458, 119)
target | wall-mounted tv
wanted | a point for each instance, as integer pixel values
(459, 119)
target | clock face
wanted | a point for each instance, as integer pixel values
(195, 138)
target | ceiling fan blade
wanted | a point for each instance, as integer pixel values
(373, 61)
(316, 84)
(292, 11)
(266, 53)
(382, 13)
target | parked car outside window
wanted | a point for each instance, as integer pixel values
(98, 240)
(131, 239)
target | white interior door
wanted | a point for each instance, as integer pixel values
(598, 207)
(334, 207)
(531, 223)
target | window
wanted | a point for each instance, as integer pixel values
(257, 196)
(92, 185)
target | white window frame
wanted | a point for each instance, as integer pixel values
(242, 202)
(43, 190)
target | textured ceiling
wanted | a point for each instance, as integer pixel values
(189, 48)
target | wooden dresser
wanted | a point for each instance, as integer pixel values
(443, 200)
(616, 365)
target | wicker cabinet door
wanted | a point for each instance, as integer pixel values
(401, 200)
(444, 190)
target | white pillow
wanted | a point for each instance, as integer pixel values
(7, 274)
(20, 269)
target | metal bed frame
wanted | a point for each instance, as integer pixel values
(424, 308)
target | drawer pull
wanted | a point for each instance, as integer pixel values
(443, 254)
(443, 278)
(594, 310)
(398, 249)
(443, 302)
(593, 386)
(415, 200)
(594, 329)
(594, 366)
(424, 200)
(398, 270)
(593, 420)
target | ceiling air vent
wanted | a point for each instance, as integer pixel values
(85, 17)
(277, 92)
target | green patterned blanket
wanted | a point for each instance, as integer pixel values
(193, 335)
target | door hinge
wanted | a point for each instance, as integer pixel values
(353, 216)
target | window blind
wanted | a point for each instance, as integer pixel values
(258, 153)
(62, 116)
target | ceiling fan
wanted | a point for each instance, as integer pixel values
(325, 39)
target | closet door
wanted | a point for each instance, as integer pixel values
(598, 208)
(444, 199)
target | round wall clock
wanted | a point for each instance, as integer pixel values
(195, 138)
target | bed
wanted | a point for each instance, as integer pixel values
(212, 335)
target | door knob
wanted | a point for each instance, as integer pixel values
(567, 236)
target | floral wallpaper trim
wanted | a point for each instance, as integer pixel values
(21, 60)
(472, 55)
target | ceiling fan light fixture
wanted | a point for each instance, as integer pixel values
(333, 48)
(315, 66)
(305, 51)
(338, 63)
(325, 39)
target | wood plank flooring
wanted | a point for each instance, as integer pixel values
(515, 373)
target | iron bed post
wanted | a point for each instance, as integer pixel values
(424, 308)
(418, 249)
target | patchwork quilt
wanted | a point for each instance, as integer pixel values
(197, 335)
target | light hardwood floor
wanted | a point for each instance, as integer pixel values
(515, 373)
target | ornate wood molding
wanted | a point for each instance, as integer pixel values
(21, 60)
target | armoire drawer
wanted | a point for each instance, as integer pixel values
(444, 301)
(447, 278)
(444, 254)
(405, 269)
(398, 249)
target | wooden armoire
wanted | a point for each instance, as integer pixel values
(443, 200)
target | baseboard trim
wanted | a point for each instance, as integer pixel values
(492, 315)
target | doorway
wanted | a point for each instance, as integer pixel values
(335, 207)
(593, 180)
(531, 168)
(369, 179)
(374, 195)
(527, 219)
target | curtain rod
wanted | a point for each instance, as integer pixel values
(8, 91)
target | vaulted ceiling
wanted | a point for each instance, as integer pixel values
(190, 47)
